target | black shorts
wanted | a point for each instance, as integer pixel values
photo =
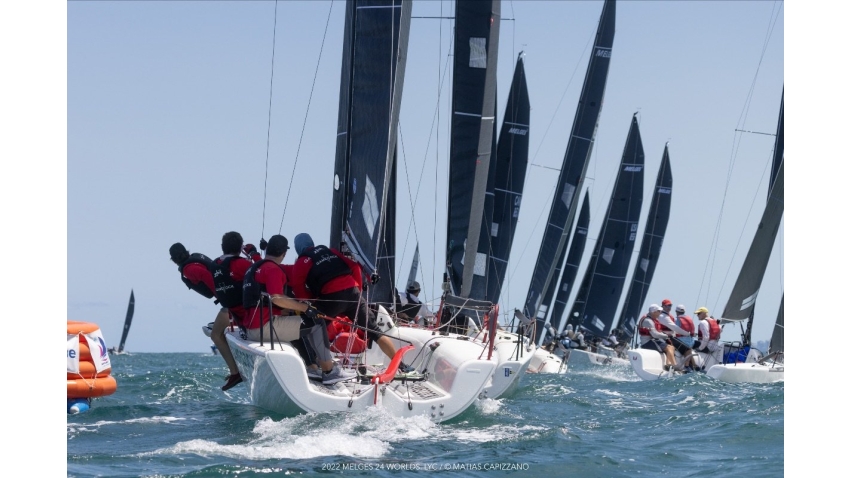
(680, 346)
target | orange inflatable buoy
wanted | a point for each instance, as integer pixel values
(88, 370)
(85, 352)
(95, 387)
(75, 327)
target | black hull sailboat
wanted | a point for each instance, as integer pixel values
(599, 295)
(650, 249)
(571, 178)
(128, 320)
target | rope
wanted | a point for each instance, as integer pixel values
(269, 128)
(306, 113)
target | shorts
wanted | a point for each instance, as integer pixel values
(680, 346)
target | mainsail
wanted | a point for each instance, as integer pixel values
(374, 55)
(472, 124)
(571, 177)
(127, 321)
(570, 268)
(602, 286)
(650, 247)
(779, 145)
(414, 266)
(510, 163)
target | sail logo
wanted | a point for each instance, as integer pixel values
(519, 131)
(632, 169)
(603, 53)
(663, 190)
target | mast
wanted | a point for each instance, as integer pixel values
(127, 321)
(571, 177)
(473, 109)
(602, 286)
(372, 76)
(650, 247)
(511, 163)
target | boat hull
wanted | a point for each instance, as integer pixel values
(649, 364)
(748, 372)
(543, 361)
(579, 356)
(276, 378)
(513, 357)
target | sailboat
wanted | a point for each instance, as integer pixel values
(596, 303)
(742, 299)
(650, 249)
(453, 371)
(570, 181)
(754, 367)
(128, 319)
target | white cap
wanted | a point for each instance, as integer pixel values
(654, 308)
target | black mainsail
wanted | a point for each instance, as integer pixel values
(779, 145)
(511, 163)
(570, 269)
(597, 299)
(128, 319)
(374, 55)
(650, 247)
(571, 177)
(472, 125)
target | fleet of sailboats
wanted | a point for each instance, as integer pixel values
(467, 354)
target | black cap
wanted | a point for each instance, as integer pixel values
(277, 246)
(178, 252)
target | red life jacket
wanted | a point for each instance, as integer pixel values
(645, 331)
(686, 323)
(713, 330)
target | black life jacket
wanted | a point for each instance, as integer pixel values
(326, 266)
(228, 291)
(411, 308)
(200, 287)
(251, 289)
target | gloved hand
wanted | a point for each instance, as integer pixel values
(249, 250)
(311, 313)
(375, 278)
(263, 244)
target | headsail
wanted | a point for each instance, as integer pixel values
(473, 109)
(571, 178)
(374, 56)
(602, 286)
(127, 321)
(414, 266)
(650, 247)
(511, 163)
(777, 340)
(742, 300)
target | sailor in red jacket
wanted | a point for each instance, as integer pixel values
(335, 281)
(196, 272)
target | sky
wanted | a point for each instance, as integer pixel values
(132, 125)
(170, 139)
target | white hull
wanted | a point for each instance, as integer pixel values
(511, 364)
(543, 361)
(748, 372)
(649, 364)
(276, 379)
(578, 356)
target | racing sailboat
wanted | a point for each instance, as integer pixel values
(128, 319)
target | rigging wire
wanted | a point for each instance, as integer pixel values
(269, 128)
(736, 140)
(306, 114)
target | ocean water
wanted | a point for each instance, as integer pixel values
(169, 418)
